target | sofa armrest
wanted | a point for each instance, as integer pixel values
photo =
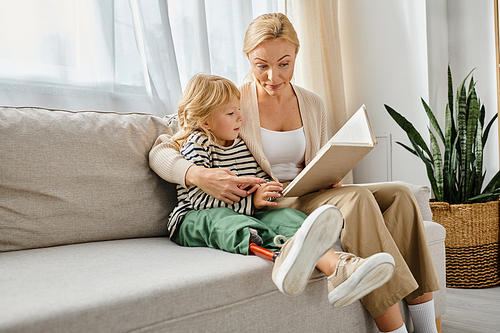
(422, 193)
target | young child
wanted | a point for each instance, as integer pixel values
(209, 121)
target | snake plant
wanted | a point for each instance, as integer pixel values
(456, 176)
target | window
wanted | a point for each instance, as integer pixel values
(78, 43)
(111, 54)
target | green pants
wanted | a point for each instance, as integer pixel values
(223, 228)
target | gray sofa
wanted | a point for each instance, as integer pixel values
(83, 246)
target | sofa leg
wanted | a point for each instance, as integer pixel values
(438, 324)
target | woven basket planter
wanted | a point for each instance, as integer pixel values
(472, 237)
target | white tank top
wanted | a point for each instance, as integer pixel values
(285, 151)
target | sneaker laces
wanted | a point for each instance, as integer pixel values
(344, 257)
(277, 241)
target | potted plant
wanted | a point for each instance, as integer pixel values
(469, 212)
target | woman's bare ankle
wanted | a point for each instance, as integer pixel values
(421, 299)
(328, 262)
(390, 320)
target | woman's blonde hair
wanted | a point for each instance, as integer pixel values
(203, 94)
(267, 27)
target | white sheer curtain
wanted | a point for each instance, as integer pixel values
(120, 55)
(71, 54)
(319, 62)
(156, 48)
(179, 38)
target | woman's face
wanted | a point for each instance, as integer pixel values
(272, 64)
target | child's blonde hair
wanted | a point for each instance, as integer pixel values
(203, 94)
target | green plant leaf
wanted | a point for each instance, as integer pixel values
(437, 166)
(493, 184)
(462, 139)
(472, 85)
(407, 148)
(455, 194)
(428, 167)
(450, 89)
(472, 150)
(488, 127)
(465, 79)
(460, 95)
(485, 197)
(482, 114)
(447, 163)
(432, 120)
(450, 190)
(478, 162)
(408, 127)
(412, 151)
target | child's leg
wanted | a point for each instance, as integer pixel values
(283, 222)
(262, 252)
(218, 228)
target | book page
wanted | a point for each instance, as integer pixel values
(337, 157)
(355, 130)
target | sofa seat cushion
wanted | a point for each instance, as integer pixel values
(71, 177)
(153, 284)
(122, 285)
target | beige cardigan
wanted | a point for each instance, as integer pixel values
(169, 164)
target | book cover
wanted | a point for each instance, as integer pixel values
(337, 157)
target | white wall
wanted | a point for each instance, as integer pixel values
(471, 31)
(395, 52)
(437, 56)
(384, 55)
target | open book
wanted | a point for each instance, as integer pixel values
(337, 157)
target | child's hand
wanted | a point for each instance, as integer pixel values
(250, 189)
(266, 191)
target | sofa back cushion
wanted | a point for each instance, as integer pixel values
(71, 177)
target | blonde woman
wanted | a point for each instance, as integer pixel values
(285, 125)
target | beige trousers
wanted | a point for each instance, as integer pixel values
(381, 218)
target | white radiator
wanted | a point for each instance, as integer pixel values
(377, 165)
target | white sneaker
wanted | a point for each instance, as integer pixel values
(355, 277)
(300, 254)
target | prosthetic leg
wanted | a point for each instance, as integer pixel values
(262, 252)
(256, 248)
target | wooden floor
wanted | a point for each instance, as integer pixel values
(472, 310)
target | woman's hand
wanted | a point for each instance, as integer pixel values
(221, 184)
(266, 191)
(339, 184)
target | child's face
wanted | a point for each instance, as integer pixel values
(225, 123)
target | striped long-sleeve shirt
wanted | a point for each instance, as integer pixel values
(198, 149)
